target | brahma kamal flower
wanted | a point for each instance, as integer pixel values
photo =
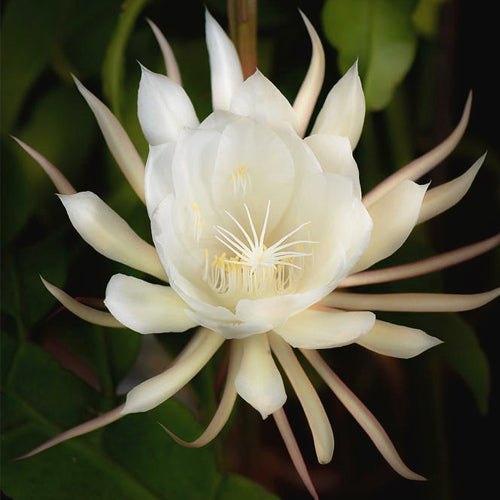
(257, 233)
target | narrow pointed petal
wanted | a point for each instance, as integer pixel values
(394, 216)
(320, 329)
(146, 308)
(424, 266)
(171, 65)
(163, 107)
(62, 184)
(225, 68)
(420, 166)
(309, 90)
(104, 230)
(158, 389)
(225, 407)
(79, 430)
(363, 416)
(259, 381)
(308, 397)
(409, 302)
(118, 141)
(441, 198)
(258, 98)
(83, 311)
(294, 451)
(397, 341)
(343, 112)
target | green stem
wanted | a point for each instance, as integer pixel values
(242, 15)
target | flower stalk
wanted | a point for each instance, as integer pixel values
(242, 15)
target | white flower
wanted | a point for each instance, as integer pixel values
(257, 228)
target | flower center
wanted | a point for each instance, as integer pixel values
(250, 268)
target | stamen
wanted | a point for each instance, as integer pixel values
(251, 269)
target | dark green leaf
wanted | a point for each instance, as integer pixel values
(28, 31)
(380, 34)
(24, 295)
(235, 486)
(461, 350)
(130, 459)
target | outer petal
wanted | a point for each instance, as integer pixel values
(154, 391)
(258, 98)
(319, 329)
(397, 341)
(118, 141)
(259, 381)
(163, 107)
(344, 110)
(334, 153)
(168, 55)
(425, 163)
(105, 231)
(83, 311)
(308, 397)
(62, 184)
(309, 90)
(363, 415)
(225, 68)
(394, 216)
(144, 307)
(441, 198)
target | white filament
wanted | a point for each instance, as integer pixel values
(250, 268)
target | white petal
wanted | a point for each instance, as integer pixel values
(79, 430)
(394, 217)
(294, 451)
(309, 90)
(158, 182)
(83, 311)
(443, 197)
(225, 69)
(397, 341)
(424, 266)
(258, 98)
(144, 307)
(425, 163)
(259, 381)
(163, 107)
(158, 389)
(410, 302)
(62, 184)
(334, 154)
(363, 415)
(320, 329)
(168, 55)
(274, 311)
(308, 397)
(118, 141)
(225, 407)
(343, 112)
(104, 230)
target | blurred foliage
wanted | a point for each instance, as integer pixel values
(58, 371)
(378, 33)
